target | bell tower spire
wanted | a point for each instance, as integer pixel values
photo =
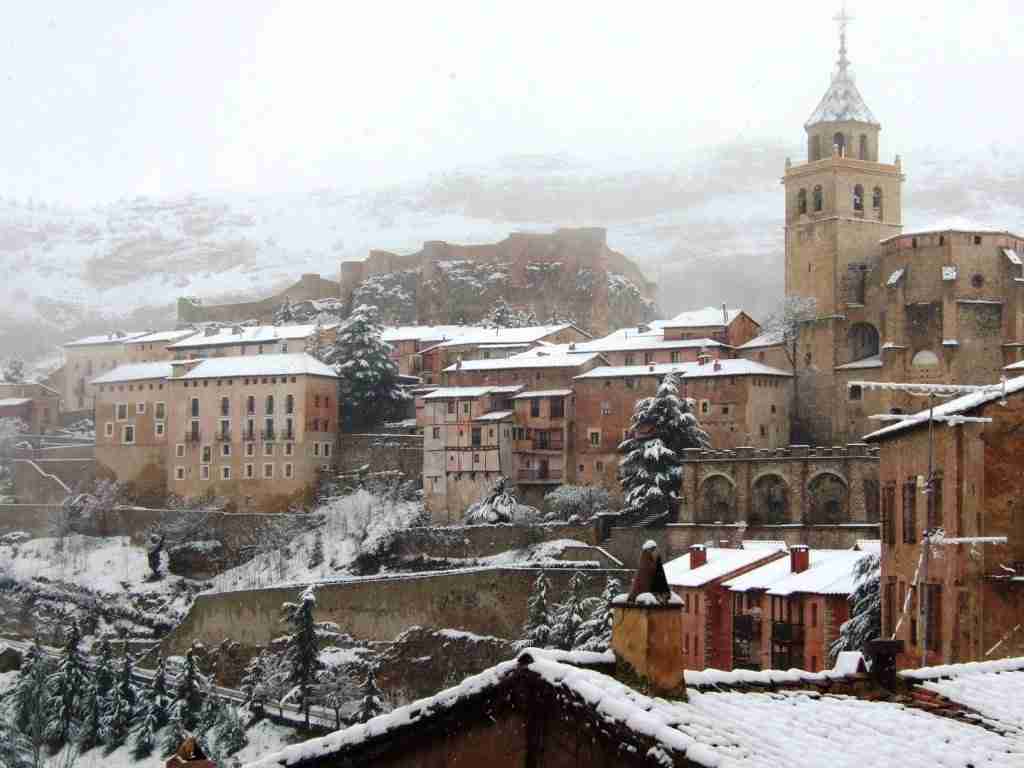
(842, 19)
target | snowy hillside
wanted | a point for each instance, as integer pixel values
(693, 223)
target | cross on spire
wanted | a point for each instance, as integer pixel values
(842, 19)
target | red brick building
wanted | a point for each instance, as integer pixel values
(975, 590)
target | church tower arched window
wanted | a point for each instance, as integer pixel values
(876, 199)
(840, 141)
(818, 198)
(858, 198)
(863, 153)
(801, 201)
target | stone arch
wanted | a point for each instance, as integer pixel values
(717, 499)
(858, 197)
(829, 498)
(876, 199)
(862, 341)
(839, 141)
(770, 499)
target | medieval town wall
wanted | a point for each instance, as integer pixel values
(309, 286)
(487, 601)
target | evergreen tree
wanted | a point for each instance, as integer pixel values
(120, 710)
(650, 472)
(30, 694)
(14, 751)
(315, 346)
(570, 614)
(371, 702)
(175, 729)
(537, 630)
(188, 693)
(500, 316)
(66, 688)
(97, 701)
(596, 632)
(231, 734)
(14, 371)
(865, 622)
(302, 655)
(368, 377)
(498, 506)
(284, 315)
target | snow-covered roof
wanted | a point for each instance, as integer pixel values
(953, 224)
(247, 334)
(436, 333)
(720, 563)
(526, 335)
(618, 342)
(830, 572)
(11, 402)
(543, 393)
(161, 336)
(711, 728)
(707, 317)
(117, 337)
(959, 405)
(872, 546)
(1014, 366)
(293, 364)
(449, 393)
(872, 361)
(541, 357)
(769, 339)
(495, 416)
(691, 370)
(135, 372)
(842, 102)
(1012, 256)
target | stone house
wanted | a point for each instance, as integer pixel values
(542, 448)
(738, 402)
(132, 415)
(152, 347)
(87, 358)
(697, 578)
(36, 404)
(731, 327)
(408, 343)
(974, 584)
(546, 367)
(787, 613)
(467, 446)
(647, 344)
(256, 429)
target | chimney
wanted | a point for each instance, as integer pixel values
(210, 330)
(698, 556)
(651, 368)
(725, 315)
(572, 346)
(799, 558)
(718, 365)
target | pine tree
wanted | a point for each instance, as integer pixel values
(371, 702)
(865, 622)
(284, 315)
(315, 346)
(498, 506)
(97, 702)
(650, 473)
(537, 630)
(120, 710)
(188, 693)
(66, 687)
(368, 377)
(500, 316)
(231, 734)
(302, 655)
(176, 730)
(569, 615)
(14, 751)
(30, 694)
(596, 632)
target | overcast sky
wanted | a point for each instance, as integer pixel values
(114, 99)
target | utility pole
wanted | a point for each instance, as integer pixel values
(931, 391)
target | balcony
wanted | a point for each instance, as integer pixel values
(537, 446)
(785, 633)
(746, 626)
(540, 475)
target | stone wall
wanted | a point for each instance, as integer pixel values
(382, 452)
(471, 541)
(487, 601)
(309, 286)
(798, 484)
(34, 519)
(46, 475)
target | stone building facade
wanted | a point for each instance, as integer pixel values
(781, 486)
(36, 404)
(974, 589)
(85, 359)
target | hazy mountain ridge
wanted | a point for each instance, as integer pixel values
(708, 227)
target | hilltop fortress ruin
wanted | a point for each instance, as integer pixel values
(570, 273)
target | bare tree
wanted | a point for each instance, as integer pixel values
(786, 325)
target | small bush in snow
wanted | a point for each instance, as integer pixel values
(580, 501)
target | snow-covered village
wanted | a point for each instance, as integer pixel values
(412, 407)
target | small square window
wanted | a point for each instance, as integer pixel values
(436, 433)
(160, 428)
(204, 471)
(250, 449)
(122, 411)
(327, 450)
(225, 473)
(595, 437)
(108, 429)
(179, 473)
(128, 434)
(179, 450)
(289, 449)
(268, 471)
(268, 449)
(250, 471)
(225, 449)
(316, 449)
(599, 466)
(289, 471)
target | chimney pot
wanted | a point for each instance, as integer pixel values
(698, 556)
(799, 558)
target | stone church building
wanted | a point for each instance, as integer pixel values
(935, 305)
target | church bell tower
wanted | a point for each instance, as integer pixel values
(840, 203)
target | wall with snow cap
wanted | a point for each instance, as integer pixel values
(486, 601)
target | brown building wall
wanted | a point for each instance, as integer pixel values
(42, 414)
(140, 464)
(82, 364)
(981, 489)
